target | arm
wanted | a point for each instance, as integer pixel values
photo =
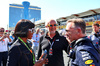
(40, 49)
(2, 37)
(9, 38)
(66, 45)
(86, 58)
(33, 38)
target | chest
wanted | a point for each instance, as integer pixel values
(57, 44)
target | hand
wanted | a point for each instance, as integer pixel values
(33, 40)
(46, 60)
(4, 36)
(38, 41)
(39, 62)
(7, 36)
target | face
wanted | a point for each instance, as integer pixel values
(1, 31)
(51, 26)
(42, 32)
(71, 32)
(30, 33)
(37, 31)
(95, 28)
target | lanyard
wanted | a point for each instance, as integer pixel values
(70, 46)
(52, 43)
(28, 49)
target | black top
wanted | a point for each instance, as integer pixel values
(19, 55)
(60, 44)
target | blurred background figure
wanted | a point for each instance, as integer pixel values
(35, 39)
(42, 31)
(62, 32)
(12, 35)
(4, 40)
(95, 36)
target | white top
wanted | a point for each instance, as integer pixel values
(36, 37)
(3, 45)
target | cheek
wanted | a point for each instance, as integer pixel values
(29, 35)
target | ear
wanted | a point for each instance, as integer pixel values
(79, 30)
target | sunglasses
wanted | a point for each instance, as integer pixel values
(52, 25)
(32, 30)
(1, 30)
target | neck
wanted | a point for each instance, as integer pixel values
(96, 32)
(51, 35)
(24, 39)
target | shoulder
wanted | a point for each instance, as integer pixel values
(83, 41)
(42, 37)
(15, 45)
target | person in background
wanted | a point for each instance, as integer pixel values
(12, 35)
(42, 32)
(54, 44)
(4, 40)
(35, 39)
(95, 37)
(21, 53)
(82, 52)
(62, 32)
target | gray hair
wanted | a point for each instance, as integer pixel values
(78, 23)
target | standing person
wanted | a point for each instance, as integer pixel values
(35, 39)
(21, 53)
(54, 44)
(42, 32)
(82, 51)
(4, 40)
(12, 35)
(95, 37)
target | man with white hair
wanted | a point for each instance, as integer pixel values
(54, 44)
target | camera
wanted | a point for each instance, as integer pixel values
(5, 33)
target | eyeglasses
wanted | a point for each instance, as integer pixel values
(32, 30)
(52, 25)
(1, 30)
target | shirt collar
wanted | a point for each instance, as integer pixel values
(57, 34)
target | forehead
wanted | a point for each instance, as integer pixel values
(1, 28)
(69, 25)
(94, 26)
(51, 22)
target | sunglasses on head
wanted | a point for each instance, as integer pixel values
(52, 25)
(32, 30)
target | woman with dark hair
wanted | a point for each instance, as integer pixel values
(21, 53)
